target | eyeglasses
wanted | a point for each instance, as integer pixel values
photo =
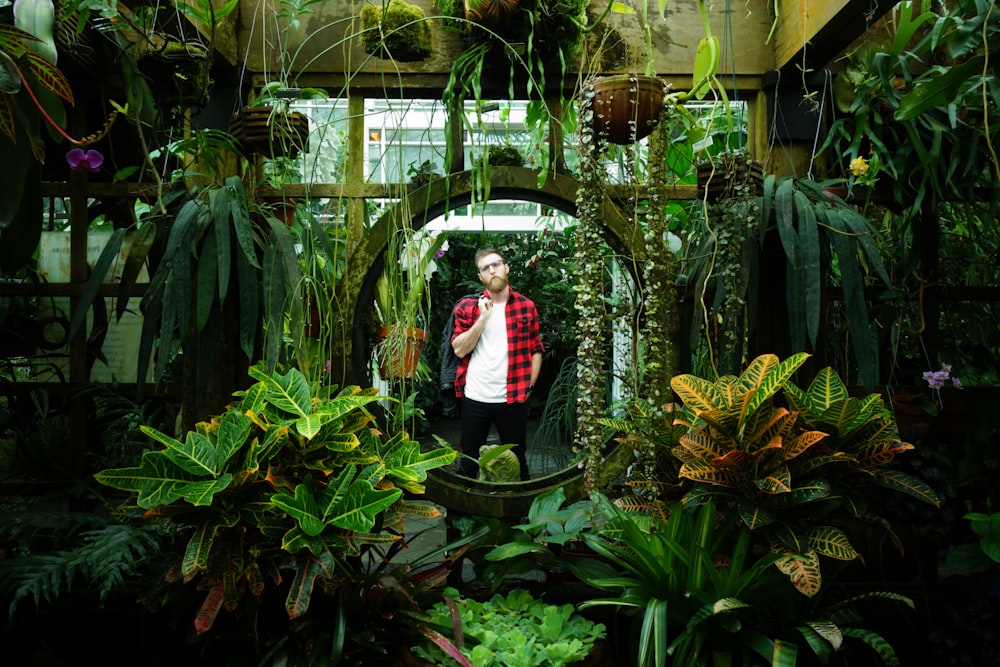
(492, 266)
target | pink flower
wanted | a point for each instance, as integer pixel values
(80, 159)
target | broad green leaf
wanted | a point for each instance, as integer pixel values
(199, 547)
(306, 575)
(234, 428)
(360, 506)
(220, 231)
(249, 286)
(784, 216)
(138, 251)
(159, 481)
(303, 506)
(205, 282)
(289, 392)
(196, 454)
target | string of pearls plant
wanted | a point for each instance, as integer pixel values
(593, 343)
(660, 325)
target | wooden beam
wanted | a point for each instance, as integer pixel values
(811, 33)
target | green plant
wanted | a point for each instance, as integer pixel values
(278, 494)
(397, 30)
(984, 554)
(32, 92)
(786, 471)
(50, 553)
(536, 41)
(547, 540)
(515, 630)
(693, 579)
(813, 224)
(928, 126)
(401, 296)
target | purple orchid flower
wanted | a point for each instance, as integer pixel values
(81, 159)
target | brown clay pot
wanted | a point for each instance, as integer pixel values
(403, 363)
(626, 107)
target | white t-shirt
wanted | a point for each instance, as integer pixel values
(486, 379)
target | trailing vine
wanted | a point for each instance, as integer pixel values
(732, 224)
(660, 325)
(590, 303)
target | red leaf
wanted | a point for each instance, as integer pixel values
(209, 610)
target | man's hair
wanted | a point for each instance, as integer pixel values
(482, 252)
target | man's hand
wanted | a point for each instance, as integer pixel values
(485, 307)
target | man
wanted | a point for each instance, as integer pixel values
(500, 354)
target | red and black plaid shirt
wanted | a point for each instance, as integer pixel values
(523, 341)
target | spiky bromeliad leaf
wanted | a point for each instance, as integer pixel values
(823, 637)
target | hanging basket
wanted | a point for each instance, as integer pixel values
(399, 354)
(719, 179)
(626, 108)
(179, 77)
(265, 131)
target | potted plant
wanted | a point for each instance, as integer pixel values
(624, 108)
(269, 127)
(275, 500)
(397, 30)
(400, 298)
(531, 49)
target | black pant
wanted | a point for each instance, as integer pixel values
(511, 420)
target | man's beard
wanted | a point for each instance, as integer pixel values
(496, 283)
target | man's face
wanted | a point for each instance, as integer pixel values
(493, 272)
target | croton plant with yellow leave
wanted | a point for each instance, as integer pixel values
(788, 468)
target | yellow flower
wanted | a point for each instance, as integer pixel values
(859, 166)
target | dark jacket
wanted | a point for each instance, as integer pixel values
(449, 362)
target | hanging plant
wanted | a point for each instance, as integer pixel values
(397, 30)
(725, 279)
(593, 339)
(660, 325)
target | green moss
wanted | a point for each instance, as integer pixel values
(399, 31)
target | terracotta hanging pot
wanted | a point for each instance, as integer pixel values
(266, 131)
(626, 107)
(400, 357)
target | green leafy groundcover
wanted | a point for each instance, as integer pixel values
(515, 630)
